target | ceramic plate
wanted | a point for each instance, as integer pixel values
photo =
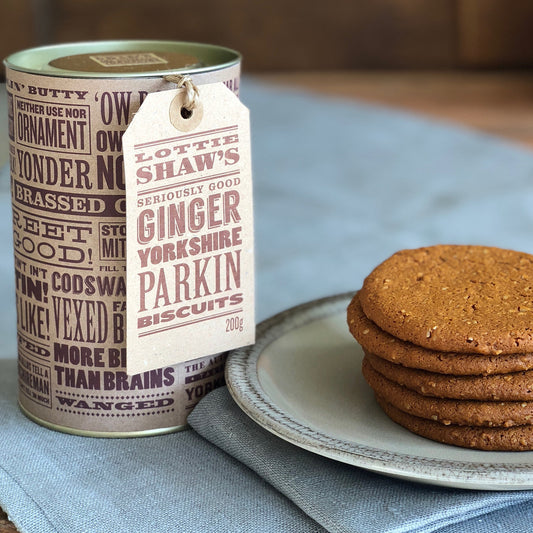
(302, 381)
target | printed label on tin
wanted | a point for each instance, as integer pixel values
(69, 237)
(190, 281)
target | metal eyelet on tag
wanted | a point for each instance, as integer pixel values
(186, 110)
(181, 117)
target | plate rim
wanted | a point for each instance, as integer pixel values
(244, 386)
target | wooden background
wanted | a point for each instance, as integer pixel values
(281, 35)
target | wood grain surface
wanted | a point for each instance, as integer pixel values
(5, 525)
(294, 34)
(498, 103)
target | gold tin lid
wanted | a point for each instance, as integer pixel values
(122, 59)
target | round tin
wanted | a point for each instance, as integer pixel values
(68, 106)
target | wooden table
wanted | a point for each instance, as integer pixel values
(499, 103)
(5, 525)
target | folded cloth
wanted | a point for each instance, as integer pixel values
(52, 482)
(338, 186)
(344, 498)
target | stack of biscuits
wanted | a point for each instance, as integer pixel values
(447, 333)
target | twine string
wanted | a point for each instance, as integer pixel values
(191, 91)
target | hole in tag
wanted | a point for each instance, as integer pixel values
(184, 119)
(186, 113)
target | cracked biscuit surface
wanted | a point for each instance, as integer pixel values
(516, 438)
(447, 333)
(448, 411)
(454, 298)
(513, 386)
(376, 341)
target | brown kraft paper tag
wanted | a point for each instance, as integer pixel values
(189, 217)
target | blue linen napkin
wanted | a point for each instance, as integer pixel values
(338, 186)
(57, 483)
(344, 498)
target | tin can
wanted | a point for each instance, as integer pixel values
(68, 106)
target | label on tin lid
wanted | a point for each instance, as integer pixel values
(124, 62)
(190, 260)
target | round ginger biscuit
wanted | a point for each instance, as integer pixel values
(374, 340)
(517, 386)
(517, 438)
(454, 298)
(448, 411)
